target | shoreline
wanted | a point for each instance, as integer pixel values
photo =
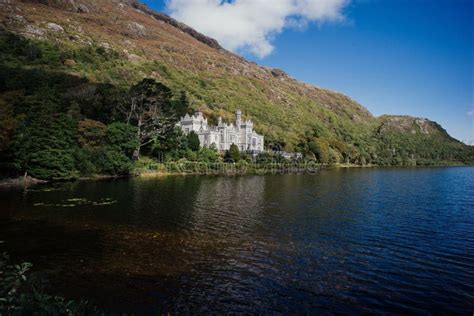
(20, 182)
(30, 181)
(346, 166)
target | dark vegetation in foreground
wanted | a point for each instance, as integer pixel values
(22, 293)
(58, 126)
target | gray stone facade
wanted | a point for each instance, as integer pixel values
(223, 135)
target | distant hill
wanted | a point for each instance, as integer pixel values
(119, 42)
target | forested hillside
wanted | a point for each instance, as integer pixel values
(69, 70)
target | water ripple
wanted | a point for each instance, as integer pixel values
(377, 241)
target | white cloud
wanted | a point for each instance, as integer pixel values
(251, 25)
(470, 112)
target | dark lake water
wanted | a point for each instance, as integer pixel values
(342, 241)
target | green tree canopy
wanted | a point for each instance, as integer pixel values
(45, 140)
(8, 124)
(151, 109)
(234, 153)
(122, 137)
(320, 149)
(193, 141)
(91, 133)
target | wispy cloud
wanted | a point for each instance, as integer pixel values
(251, 25)
(470, 112)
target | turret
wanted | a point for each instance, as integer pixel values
(238, 118)
(198, 114)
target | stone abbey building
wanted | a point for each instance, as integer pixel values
(223, 135)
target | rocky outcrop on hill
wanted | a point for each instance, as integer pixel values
(86, 6)
(409, 125)
(71, 5)
(183, 27)
(134, 42)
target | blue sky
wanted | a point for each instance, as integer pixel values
(392, 56)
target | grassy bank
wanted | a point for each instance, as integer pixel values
(148, 168)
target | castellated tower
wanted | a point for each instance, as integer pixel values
(223, 135)
(238, 119)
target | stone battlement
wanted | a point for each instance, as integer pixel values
(222, 136)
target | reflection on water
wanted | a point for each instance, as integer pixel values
(378, 240)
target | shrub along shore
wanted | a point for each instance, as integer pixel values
(148, 168)
(59, 126)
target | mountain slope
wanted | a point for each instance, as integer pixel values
(138, 43)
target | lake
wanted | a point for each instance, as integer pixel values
(373, 240)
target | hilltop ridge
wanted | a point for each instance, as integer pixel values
(144, 43)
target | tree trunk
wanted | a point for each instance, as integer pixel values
(136, 153)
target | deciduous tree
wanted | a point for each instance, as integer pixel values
(91, 133)
(151, 109)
